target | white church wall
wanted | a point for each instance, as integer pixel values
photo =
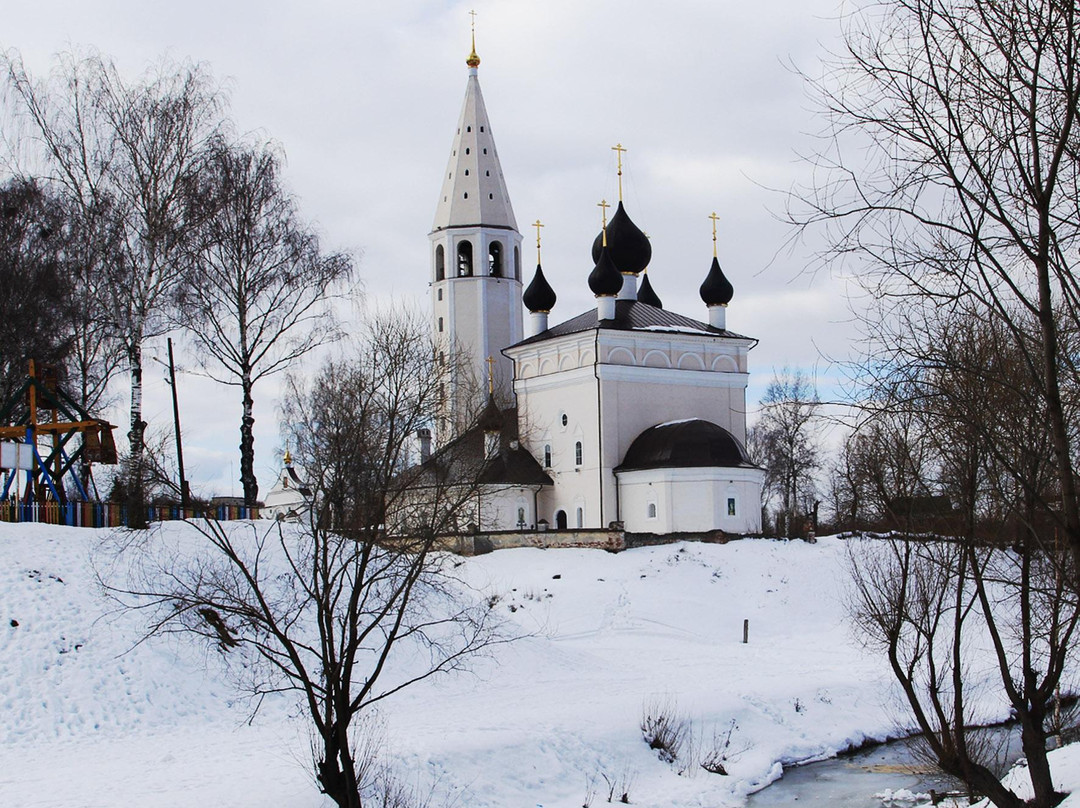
(691, 500)
(542, 403)
(506, 508)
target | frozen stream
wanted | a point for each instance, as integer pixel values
(853, 780)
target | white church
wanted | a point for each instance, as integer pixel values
(627, 417)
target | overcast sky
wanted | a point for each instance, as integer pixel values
(363, 97)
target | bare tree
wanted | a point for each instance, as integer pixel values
(784, 441)
(126, 154)
(964, 114)
(258, 294)
(356, 603)
(36, 304)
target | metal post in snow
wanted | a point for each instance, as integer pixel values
(745, 631)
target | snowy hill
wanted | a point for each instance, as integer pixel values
(92, 718)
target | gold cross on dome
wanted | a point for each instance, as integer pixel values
(714, 218)
(619, 149)
(537, 224)
(603, 205)
(472, 14)
(491, 374)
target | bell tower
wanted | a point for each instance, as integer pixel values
(475, 266)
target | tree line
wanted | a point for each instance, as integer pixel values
(947, 185)
(133, 209)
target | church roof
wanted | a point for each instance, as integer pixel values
(633, 315)
(513, 465)
(692, 443)
(474, 191)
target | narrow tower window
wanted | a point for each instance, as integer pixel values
(464, 259)
(495, 259)
(547, 456)
(517, 263)
(440, 325)
(577, 453)
(440, 264)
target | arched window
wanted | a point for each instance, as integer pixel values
(440, 325)
(517, 263)
(731, 506)
(547, 456)
(652, 510)
(440, 263)
(560, 520)
(495, 259)
(577, 453)
(521, 517)
(464, 259)
(581, 517)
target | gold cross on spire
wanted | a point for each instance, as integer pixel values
(473, 60)
(603, 205)
(714, 218)
(491, 375)
(618, 149)
(537, 224)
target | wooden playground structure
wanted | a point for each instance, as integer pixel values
(48, 445)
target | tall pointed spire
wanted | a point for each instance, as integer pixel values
(474, 191)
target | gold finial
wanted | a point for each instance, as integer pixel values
(288, 457)
(537, 225)
(618, 149)
(491, 375)
(714, 218)
(603, 205)
(473, 60)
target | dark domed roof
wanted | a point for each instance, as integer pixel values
(684, 444)
(539, 296)
(717, 289)
(491, 419)
(646, 294)
(630, 248)
(605, 279)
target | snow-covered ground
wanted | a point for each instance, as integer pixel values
(89, 717)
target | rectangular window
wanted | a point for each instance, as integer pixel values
(731, 506)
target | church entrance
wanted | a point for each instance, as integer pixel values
(560, 520)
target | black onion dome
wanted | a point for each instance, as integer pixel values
(693, 443)
(539, 296)
(717, 289)
(630, 248)
(605, 279)
(646, 294)
(491, 419)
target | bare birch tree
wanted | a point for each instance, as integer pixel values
(126, 154)
(258, 296)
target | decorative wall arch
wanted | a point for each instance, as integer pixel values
(527, 370)
(691, 361)
(621, 356)
(547, 366)
(725, 364)
(656, 359)
(567, 362)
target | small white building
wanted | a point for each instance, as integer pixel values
(630, 413)
(289, 498)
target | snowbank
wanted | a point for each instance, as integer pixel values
(91, 717)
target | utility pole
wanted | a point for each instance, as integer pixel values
(185, 496)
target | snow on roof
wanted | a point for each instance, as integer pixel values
(680, 329)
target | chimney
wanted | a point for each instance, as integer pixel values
(424, 434)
